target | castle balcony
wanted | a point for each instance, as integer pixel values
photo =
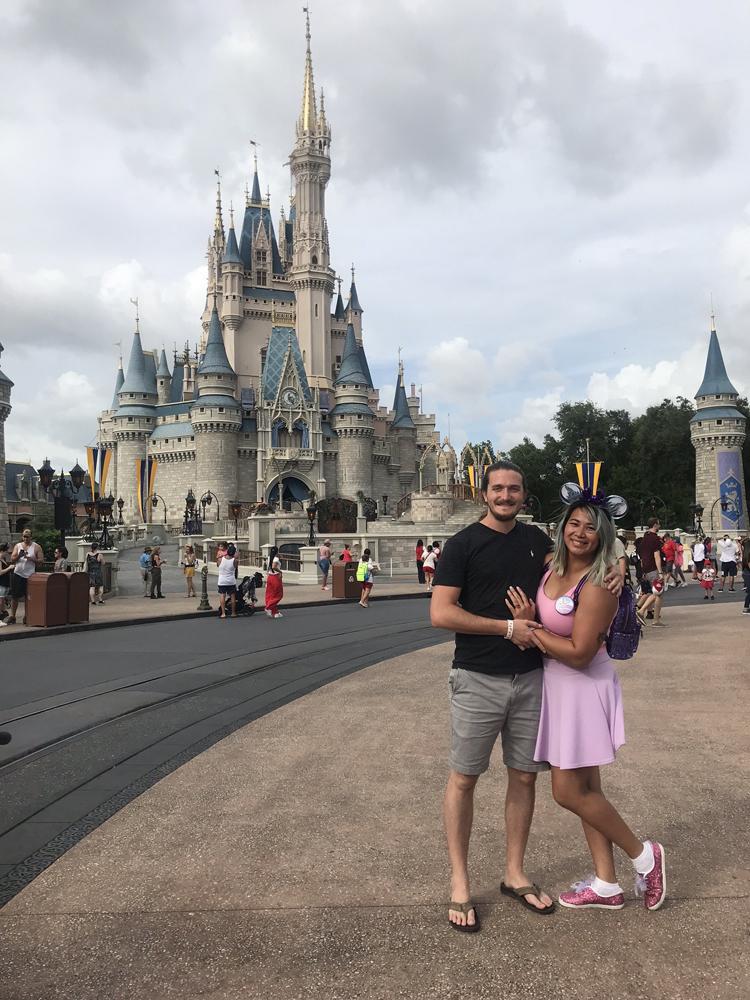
(303, 458)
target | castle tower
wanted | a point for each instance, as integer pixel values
(163, 379)
(231, 268)
(353, 421)
(718, 432)
(354, 308)
(106, 434)
(216, 419)
(406, 435)
(310, 274)
(133, 423)
(5, 386)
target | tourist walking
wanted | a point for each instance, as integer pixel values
(365, 572)
(189, 562)
(745, 576)
(156, 569)
(25, 557)
(581, 725)
(667, 551)
(274, 584)
(727, 551)
(6, 568)
(679, 562)
(496, 680)
(419, 553)
(653, 571)
(61, 560)
(324, 561)
(428, 566)
(227, 561)
(94, 563)
(699, 555)
(144, 563)
(708, 544)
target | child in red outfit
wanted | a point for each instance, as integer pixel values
(274, 585)
(708, 576)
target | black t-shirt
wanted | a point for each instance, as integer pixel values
(484, 563)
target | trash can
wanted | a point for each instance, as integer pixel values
(47, 600)
(345, 582)
(78, 597)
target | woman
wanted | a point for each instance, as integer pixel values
(6, 568)
(189, 562)
(324, 561)
(581, 723)
(227, 560)
(419, 552)
(156, 564)
(745, 551)
(346, 555)
(428, 566)
(274, 584)
(365, 572)
(61, 560)
(94, 563)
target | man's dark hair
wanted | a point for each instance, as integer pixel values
(63, 552)
(507, 467)
(652, 521)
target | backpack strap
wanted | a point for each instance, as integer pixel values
(579, 588)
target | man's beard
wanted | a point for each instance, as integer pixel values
(504, 515)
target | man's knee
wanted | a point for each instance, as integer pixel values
(462, 782)
(525, 778)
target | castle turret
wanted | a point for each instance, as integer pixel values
(718, 432)
(133, 422)
(353, 420)
(216, 419)
(5, 387)
(231, 269)
(354, 308)
(405, 429)
(163, 379)
(310, 274)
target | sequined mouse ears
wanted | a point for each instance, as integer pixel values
(586, 490)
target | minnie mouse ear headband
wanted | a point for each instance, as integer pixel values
(586, 491)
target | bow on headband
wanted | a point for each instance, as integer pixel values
(586, 490)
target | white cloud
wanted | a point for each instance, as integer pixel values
(533, 419)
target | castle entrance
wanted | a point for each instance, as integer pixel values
(293, 491)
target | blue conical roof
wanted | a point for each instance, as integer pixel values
(178, 381)
(118, 385)
(255, 193)
(340, 312)
(401, 413)
(136, 379)
(215, 358)
(351, 371)
(232, 251)
(163, 370)
(715, 379)
(365, 366)
(150, 361)
(354, 298)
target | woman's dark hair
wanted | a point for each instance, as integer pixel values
(231, 550)
(272, 554)
(366, 554)
(4, 546)
(507, 467)
(420, 542)
(94, 546)
(429, 548)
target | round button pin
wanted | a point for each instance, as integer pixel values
(565, 605)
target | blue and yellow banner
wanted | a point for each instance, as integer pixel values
(99, 461)
(476, 475)
(588, 475)
(145, 479)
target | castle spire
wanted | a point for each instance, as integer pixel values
(255, 196)
(715, 379)
(218, 220)
(309, 113)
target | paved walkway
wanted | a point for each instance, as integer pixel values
(303, 855)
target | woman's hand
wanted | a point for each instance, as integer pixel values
(519, 605)
(538, 639)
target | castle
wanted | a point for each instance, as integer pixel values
(717, 431)
(279, 390)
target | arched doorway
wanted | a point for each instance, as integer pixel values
(294, 490)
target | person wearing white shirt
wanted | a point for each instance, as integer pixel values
(727, 561)
(699, 556)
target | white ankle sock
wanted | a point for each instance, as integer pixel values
(605, 889)
(645, 860)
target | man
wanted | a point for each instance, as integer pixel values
(668, 552)
(144, 563)
(727, 561)
(25, 557)
(699, 556)
(653, 573)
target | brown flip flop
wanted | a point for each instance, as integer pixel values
(466, 908)
(522, 892)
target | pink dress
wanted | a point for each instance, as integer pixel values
(581, 722)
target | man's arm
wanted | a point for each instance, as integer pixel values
(446, 613)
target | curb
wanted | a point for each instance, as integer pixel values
(42, 633)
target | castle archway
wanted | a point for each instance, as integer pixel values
(294, 490)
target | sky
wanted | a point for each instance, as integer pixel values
(540, 198)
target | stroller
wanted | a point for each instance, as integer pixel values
(246, 599)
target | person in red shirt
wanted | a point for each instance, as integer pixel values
(346, 555)
(668, 550)
(652, 565)
(419, 552)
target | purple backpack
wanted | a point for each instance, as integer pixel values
(625, 631)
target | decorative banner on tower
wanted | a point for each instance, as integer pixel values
(588, 475)
(145, 478)
(99, 461)
(476, 475)
(730, 489)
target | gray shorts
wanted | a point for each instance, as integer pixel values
(484, 707)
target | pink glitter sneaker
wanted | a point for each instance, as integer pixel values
(583, 897)
(653, 887)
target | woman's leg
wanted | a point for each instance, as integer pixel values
(234, 604)
(92, 595)
(602, 852)
(222, 602)
(579, 791)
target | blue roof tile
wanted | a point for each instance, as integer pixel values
(232, 252)
(136, 379)
(401, 414)
(717, 413)
(163, 370)
(215, 360)
(715, 378)
(180, 428)
(351, 371)
(282, 340)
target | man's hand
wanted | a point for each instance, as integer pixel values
(523, 633)
(613, 581)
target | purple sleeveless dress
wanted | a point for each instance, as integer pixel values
(581, 722)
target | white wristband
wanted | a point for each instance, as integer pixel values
(509, 633)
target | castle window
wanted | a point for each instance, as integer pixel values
(315, 261)
(316, 310)
(221, 409)
(203, 409)
(178, 440)
(130, 420)
(338, 359)
(260, 278)
(719, 421)
(261, 256)
(717, 397)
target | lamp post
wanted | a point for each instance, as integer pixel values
(191, 525)
(385, 503)
(725, 502)
(63, 496)
(155, 498)
(696, 510)
(312, 510)
(205, 501)
(651, 501)
(532, 499)
(104, 506)
(235, 512)
(120, 505)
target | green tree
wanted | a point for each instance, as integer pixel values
(541, 466)
(662, 462)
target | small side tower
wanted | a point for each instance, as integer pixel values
(353, 421)
(5, 386)
(163, 379)
(231, 269)
(216, 419)
(133, 423)
(718, 432)
(405, 431)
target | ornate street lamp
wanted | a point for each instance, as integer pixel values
(725, 502)
(104, 507)
(205, 501)
(696, 510)
(155, 498)
(63, 496)
(77, 475)
(46, 474)
(235, 512)
(191, 526)
(120, 505)
(312, 510)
